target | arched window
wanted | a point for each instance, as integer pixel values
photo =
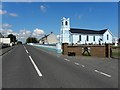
(107, 37)
(66, 23)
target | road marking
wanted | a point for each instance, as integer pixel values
(102, 73)
(66, 60)
(35, 66)
(26, 50)
(77, 63)
(82, 65)
(24, 46)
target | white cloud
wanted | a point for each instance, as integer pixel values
(13, 14)
(6, 25)
(43, 8)
(38, 31)
(2, 11)
(22, 35)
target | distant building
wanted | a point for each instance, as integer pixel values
(4, 40)
(115, 41)
(83, 36)
(49, 39)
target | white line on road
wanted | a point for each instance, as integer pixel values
(35, 66)
(77, 63)
(102, 73)
(82, 65)
(26, 50)
(66, 60)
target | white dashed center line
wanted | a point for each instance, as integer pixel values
(35, 66)
(77, 63)
(102, 73)
(66, 60)
(26, 51)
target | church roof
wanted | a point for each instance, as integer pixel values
(87, 31)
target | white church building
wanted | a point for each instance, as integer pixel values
(83, 36)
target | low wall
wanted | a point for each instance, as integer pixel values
(97, 51)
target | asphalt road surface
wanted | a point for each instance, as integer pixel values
(27, 67)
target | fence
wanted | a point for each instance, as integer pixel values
(89, 50)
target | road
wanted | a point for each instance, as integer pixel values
(27, 67)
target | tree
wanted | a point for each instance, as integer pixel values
(19, 42)
(12, 38)
(31, 40)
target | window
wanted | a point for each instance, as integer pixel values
(62, 23)
(107, 37)
(93, 38)
(87, 38)
(79, 37)
(66, 23)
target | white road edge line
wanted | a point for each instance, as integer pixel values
(66, 60)
(102, 73)
(35, 66)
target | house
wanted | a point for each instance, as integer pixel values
(49, 39)
(83, 36)
(4, 40)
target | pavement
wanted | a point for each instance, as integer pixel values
(30, 67)
(5, 50)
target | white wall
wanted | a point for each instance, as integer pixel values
(105, 37)
(5, 40)
(75, 38)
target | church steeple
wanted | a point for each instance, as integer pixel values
(65, 27)
(65, 23)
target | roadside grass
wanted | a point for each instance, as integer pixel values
(116, 53)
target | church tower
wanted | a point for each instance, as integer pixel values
(64, 33)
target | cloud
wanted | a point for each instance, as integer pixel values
(21, 35)
(6, 25)
(2, 11)
(13, 14)
(43, 8)
(38, 31)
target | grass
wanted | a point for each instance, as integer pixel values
(116, 53)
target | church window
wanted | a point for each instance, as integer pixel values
(79, 37)
(87, 38)
(62, 23)
(107, 37)
(66, 23)
(93, 38)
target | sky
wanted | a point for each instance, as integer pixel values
(25, 19)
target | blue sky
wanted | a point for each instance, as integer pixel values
(47, 16)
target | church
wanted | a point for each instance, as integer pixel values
(83, 36)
